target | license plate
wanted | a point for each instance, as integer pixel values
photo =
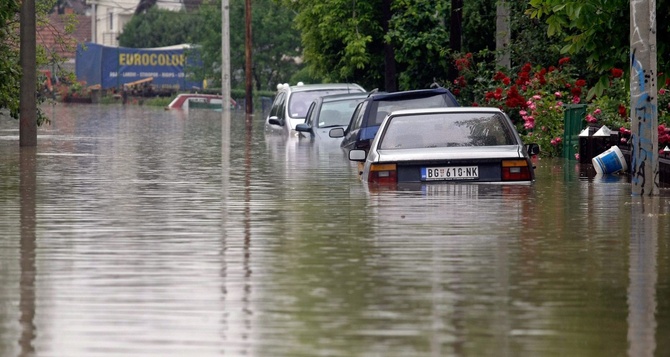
(449, 173)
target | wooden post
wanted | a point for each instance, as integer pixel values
(28, 100)
(249, 106)
(643, 98)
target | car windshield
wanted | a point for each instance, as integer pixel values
(299, 101)
(447, 130)
(337, 113)
(384, 108)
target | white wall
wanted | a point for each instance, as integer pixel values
(111, 15)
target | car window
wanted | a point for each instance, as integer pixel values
(337, 113)
(311, 113)
(357, 117)
(276, 104)
(386, 107)
(281, 111)
(299, 101)
(447, 130)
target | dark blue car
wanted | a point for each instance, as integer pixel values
(371, 112)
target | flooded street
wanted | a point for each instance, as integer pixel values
(131, 231)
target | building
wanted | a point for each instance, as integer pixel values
(110, 16)
(60, 45)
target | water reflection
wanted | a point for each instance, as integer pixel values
(643, 275)
(134, 231)
(28, 245)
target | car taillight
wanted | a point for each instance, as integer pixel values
(516, 170)
(383, 173)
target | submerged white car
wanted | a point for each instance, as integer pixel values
(459, 144)
(290, 104)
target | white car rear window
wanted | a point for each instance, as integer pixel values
(447, 130)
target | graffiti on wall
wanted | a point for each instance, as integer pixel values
(644, 157)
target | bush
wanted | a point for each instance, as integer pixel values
(535, 99)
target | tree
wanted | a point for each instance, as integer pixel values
(599, 30)
(10, 71)
(420, 34)
(156, 27)
(342, 41)
(276, 44)
(10, 68)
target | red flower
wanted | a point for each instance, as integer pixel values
(499, 76)
(580, 83)
(540, 76)
(576, 91)
(498, 93)
(616, 72)
(514, 99)
(523, 78)
(526, 68)
(622, 111)
(463, 63)
(460, 81)
(506, 81)
(563, 61)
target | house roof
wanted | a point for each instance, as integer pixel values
(52, 35)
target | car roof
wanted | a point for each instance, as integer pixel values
(341, 96)
(417, 93)
(446, 110)
(310, 87)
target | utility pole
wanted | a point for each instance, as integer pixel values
(28, 102)
(225, 57)
(643, 98)
(248, 65)
(503, 34)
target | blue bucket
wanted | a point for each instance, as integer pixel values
(610, 161)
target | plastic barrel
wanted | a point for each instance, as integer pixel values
(610, 161)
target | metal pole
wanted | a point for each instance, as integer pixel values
(28, 100)
(225, 103)
(225, 56)
(248, 65)
(643, 98)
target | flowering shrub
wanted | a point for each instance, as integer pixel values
(535, 99)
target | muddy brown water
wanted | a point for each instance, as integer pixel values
(131, 231)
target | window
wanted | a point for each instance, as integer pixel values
(357, 117)
(446, 130)
(111, 20)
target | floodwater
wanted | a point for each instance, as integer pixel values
(132, 231)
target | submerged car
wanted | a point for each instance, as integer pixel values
(328, 112)
(290, 104)
(369, 114)
(465, 144)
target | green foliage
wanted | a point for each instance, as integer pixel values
(10, 68)
(419, 33)
(158, 28)
(276, 44)
(532, 95)
(343, 41)
(596, 28)
(10, 72)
